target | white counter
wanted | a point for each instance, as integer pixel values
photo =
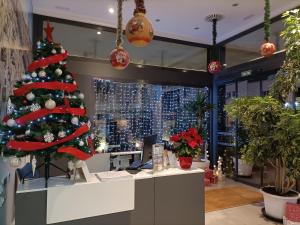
(106, 193)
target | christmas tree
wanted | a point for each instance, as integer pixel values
(46, 115)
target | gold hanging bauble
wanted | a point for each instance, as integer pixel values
(139, 31)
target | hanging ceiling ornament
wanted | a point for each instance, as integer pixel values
(119, 58)
(139, 31)
(214, 67)
(268, 48)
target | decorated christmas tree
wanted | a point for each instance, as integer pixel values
(46, 115)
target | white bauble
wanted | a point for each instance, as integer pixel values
(30, 96)
(11, 122)
(53, 51)
(27, 132)
(33, 74)
(74, 97)
(74, 82)
(62, 51)
(81, 143)
(68, 77)
(75, 120)
(58, 72)
(50, 104)
(81, 96)
(42, 74)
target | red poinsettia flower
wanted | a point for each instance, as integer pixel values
(193, 144)
(199, 139)
(175, 138)
(193, 131)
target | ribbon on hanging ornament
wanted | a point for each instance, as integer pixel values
(29, 146)
(140, 7)
(56, 85)
(47, 61)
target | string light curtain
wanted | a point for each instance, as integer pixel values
(127, 112)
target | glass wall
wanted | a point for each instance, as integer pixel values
(97, 43)
(128, 112)
(247, 47)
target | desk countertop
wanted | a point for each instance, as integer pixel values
(53, 182)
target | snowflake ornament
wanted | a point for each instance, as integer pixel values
(35, 107)
(48, 137)
(61, 134)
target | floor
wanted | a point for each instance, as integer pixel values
(243, 215)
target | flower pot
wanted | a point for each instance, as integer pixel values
(275, 204)
(244, 168)
(185, 162)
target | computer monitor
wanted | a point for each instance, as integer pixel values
(147, 149)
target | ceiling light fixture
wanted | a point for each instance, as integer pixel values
(99, 32)
(157, 20)
(196, 28)
(111, 10)
(235, 4)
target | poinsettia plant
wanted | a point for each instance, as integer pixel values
(187, 143)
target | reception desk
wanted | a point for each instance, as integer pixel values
(172, 196)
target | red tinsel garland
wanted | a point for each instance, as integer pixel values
(56, 85)
(29, 146)
(45, 62)
(75, 152)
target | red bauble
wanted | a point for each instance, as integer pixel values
(119, 58)
(214, 67)
(267, 49)
(139, 31)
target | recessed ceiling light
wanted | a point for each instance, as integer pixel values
(235, 4)
(111, 10)
(140, 66)
(196, 28)
(157, 20)
(99, 32)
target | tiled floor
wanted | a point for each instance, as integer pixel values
(243, 215)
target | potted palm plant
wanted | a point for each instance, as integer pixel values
(187, 145)
(273, 129)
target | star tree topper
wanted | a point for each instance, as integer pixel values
(49, 31)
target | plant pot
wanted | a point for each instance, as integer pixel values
(185, 162)
(275, 204)
(244, 168)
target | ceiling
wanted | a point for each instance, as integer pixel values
(177, 18)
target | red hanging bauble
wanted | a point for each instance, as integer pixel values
(139, 31)
(119, 58)
(267, 49)
(214, 67)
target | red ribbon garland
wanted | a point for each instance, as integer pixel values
(44, 112)
(75, 152)
(45, 62)
(29, 146)
(56, 85)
